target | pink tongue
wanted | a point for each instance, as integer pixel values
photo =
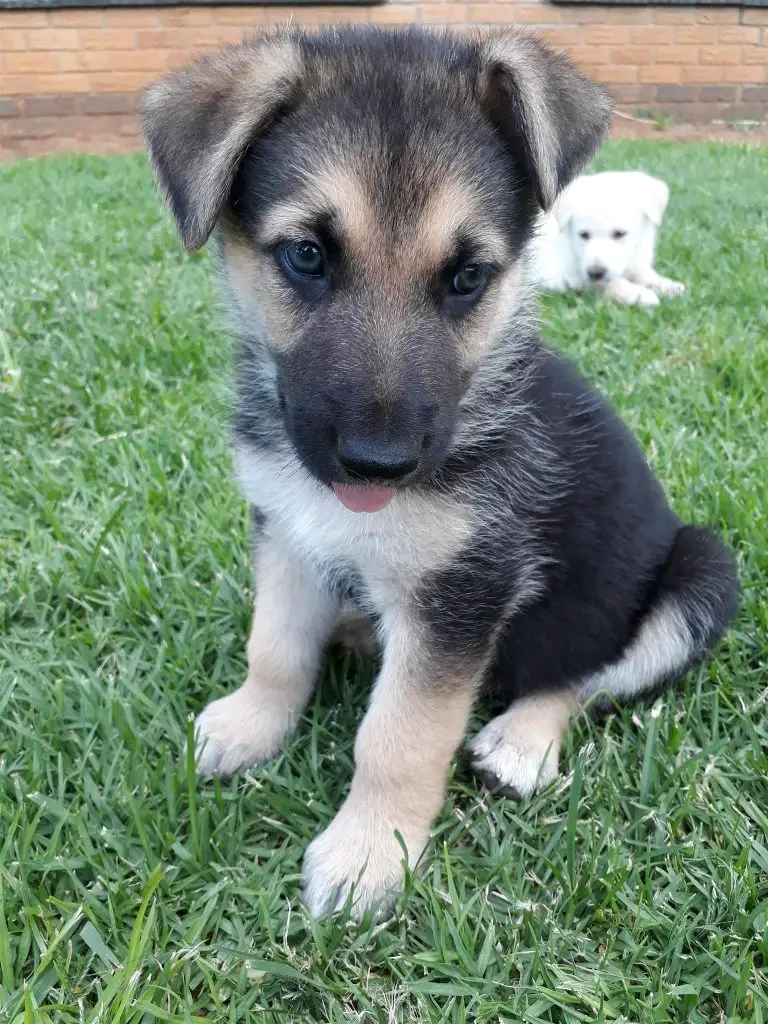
(363, 499)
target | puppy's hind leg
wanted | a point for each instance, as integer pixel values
(697, 596)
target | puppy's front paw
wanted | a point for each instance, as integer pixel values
(358, 853)
(631, 294)
(669, 288)
(645, 297)
(238, 731)
(511, 763)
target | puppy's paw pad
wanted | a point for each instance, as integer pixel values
(235, 732)
(509, 767)
(357, 856)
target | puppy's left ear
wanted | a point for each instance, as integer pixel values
(553, 118)
(653, 196)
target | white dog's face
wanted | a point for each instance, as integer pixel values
(609, 223)
(605, 241)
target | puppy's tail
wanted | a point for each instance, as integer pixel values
(700, 580)
(695, 596)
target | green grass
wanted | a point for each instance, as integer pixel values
(635, 889)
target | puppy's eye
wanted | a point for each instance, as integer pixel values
(470, 280)
(305, 259)
(618, 234)
(584, 235)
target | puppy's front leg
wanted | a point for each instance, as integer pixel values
(648, 278)
(293, 617)
(630, 293)
(415, 722)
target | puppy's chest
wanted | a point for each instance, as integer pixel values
(393, 548)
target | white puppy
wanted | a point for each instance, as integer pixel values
(602, 234)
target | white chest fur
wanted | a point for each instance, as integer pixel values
(389, 550)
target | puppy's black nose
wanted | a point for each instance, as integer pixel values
(379, 460)
(596, 273)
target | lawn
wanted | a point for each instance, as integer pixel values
(635, 889)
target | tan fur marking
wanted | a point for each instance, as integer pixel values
(402, 753)
(336, 189)
(520, 749)
(291, 622)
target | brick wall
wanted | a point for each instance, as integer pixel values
(69, 79)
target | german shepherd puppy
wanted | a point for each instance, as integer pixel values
(407, 443)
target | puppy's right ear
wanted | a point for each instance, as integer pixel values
(198, 123)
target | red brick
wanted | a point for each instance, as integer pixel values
(652, 35)
(719, 54)
(591, 55)
(701, 75)
(745, 74)
(486, 14)
(615, 75)
(695, 35)
(755, 55)
(754, 16)
(719, 16)
(140, 60)
(450, 14)
(607, 35)
(84, 60)
(118, 81)
(109, 39)
(177, 16)
(59, 83)
(586, 15)
(53, 39)
(76, 19)
(23, 63)
(23, 19)
(748, 35)
(659, 73)
(675, 16)
(623, 15)
(20, 85)
(109, 103)
(9, 108)
(632, 55)
(34, 127)
(561, 37)
(12, 40)
(677, 54)
(394, 15)
(540, 14)
(134, 17)
(228, 16)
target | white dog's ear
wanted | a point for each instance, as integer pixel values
(653, 195)
(552, 117)
(565, 206)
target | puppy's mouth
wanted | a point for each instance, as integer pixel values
(363, 497)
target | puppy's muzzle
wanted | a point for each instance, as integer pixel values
(596, 273)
